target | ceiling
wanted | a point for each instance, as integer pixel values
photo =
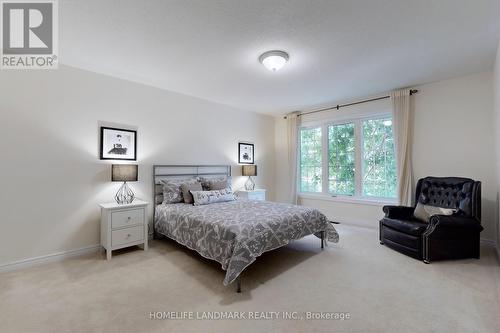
(339, 49)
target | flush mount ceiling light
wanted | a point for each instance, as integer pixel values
(274, 60)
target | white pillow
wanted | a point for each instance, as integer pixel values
(209, 197)
(424, 212)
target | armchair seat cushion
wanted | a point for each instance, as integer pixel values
(410, 227)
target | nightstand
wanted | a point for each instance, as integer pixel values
(258, 194)
(123, 226)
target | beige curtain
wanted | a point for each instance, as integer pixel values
(401, 118)
(292, 130)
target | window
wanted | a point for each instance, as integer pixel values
(310, 160)
(359, 158)
(379, 163)
(341, 156)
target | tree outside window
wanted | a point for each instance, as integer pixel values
(371, 141)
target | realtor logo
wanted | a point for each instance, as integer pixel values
(29, 34)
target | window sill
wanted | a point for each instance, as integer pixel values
(346, 199)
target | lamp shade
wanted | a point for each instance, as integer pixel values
(249, 170)
(124, 173)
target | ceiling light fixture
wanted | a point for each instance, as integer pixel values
(274, 60)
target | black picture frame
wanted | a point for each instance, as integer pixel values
(245, 148)
(107, 155)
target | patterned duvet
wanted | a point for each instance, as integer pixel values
(235, 233)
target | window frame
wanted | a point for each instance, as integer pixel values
(324, 139)
(362, 153)
(358, 163)
(299, 157)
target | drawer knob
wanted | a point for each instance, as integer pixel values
(129, 218)
(128, 235)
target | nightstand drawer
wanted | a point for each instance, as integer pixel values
(127, 218)
(127, 235)
(256, 195)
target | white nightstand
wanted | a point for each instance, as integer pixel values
(123, 225)
(257, 194)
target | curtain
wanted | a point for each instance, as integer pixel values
(292, 139)
(401, 118)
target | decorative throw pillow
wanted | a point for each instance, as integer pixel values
(186, 188)
(159, 193)
(214, 185)
(209, 197)
(220, 183)
(424, 212)
(172, 189)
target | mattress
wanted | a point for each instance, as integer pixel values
(235, 233)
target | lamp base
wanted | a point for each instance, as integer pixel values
(249, 185)
(124, 195)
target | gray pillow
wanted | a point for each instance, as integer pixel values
(186, 188)
(172, 189)
(208, 183)
(158, 193)
(214, 185)
(424, 212)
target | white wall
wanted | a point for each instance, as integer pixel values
(51, 177)
(453, 136)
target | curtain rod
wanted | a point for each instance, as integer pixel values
(337, 107)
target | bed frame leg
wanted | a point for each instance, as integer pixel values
(238, 285)
(322, 240)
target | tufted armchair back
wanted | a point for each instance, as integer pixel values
(463, 194)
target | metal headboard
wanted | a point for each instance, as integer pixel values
(185, 171)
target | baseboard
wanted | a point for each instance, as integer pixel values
(493, 244)
(355, 222)
(488, 242)
(24, 263)
(371, 225)
(497, 248)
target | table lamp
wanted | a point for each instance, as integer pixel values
(249, 170)
(124, 173)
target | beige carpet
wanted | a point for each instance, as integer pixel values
(383, 291)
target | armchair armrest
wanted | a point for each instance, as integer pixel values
(398, 212)
(455, 222)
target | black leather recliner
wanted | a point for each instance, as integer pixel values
(445, 236)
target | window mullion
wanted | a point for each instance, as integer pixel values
(324, 158)
(359, 155)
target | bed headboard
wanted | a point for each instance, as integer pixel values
(183, 172)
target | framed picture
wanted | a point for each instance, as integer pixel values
(118, 144)
(245, 153)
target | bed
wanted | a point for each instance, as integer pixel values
(232, 233)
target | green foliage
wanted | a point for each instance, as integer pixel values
(379, 162)
(378, 159)
(341, 156)
(310, 160)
